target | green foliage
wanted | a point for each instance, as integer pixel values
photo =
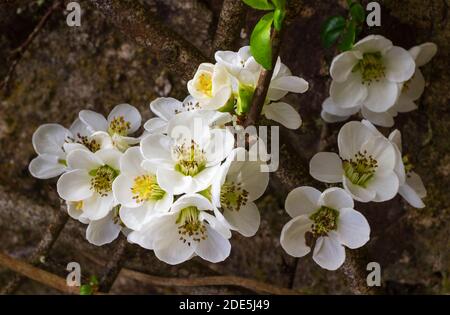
(260, 43)
(341, 30)
(90, 288)
(244, 100)
(259, 4)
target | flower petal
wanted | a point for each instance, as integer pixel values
(122, 191)
(342, 66)
(330, 107)
(373, 43)
(246, 220)
(383, 119)
(46, 166)
(330, 118)
(102, 231)
(290, 83)
(215, 248)
(93, 121)
(326, 167)
(174, 182)
(352, 136)
(203, 180)
(400, 66)
(97, 207)
(413, 89)
(130, 162)
(129, 113)
(336, 198)
(166, 107)
(423, 53)
(415, 182)
(411, 196)
(383, 151)
(349, 93)
(135, 218)
(357, 192)
(353, 228)
(83, 160)
(293, 236)
(386, 187)
(382, 95)
(49, 139)
(74, 186)
(284, 114)
(329, 253)
(156, 125)
(110, 157)
(302, 200)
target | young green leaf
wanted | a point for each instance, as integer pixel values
(280, 4)
(348, 37)
(278, 18)
(358, 13)
(244, 99)
(259, 4)
(332, 30)
(260, 44)
(86, 289)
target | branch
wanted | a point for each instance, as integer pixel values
(19, 51)
(231, 21)
(140, 25)
(249, 284)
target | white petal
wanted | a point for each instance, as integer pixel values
(156, 147)
(383, 151)
(93, 121)
(253, 180)
(330, 107)
(328, 252)
(156, 125)
(415, 182)
(110, 157)
(291, 84)
(326, 167)
(98, 207)
(46, 166)
(373, 43)
(382, 95)
(349, 93)
(330, 118)
(79, 129)
(215, 248)
(74, 186)
(353, 228)
(284, 114)
(49, 139)
(166, 107)
(413, 190)
(203, 180)
(404, 104)
(83, 160)
(342, 66)
(246, 220)
(195, 200)
(130, 162)
(102, 231)
(302, 200)
(122, 190)
(383, 119)
(75, 213)
(218, 222)
(396, 138)
(129, 113)
(413, 89)
(336, 198)
(293, 236)
(173, 182)
(386, 186)
(219, 146)
(219, 99)
(351, 138)
(423, 53)
(135, 218)
(163, 205)
(400, 66)
(357, 192)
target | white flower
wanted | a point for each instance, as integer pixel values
(412, 89)
(188, 158)
(370, 74)
(165, 108)
(330, 219)
(365, 164)
(239, 64)
(190, 228)
(211, 86)
(123, 121)
(411, 187)
(99, 232)
(238, 183)
(89, 183)
(137, 190)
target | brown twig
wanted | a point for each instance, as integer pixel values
(19, 51)
(231, 21)
(249, 284)
(132, 18)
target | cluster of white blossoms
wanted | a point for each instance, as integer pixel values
(378, 79)
(183, 185)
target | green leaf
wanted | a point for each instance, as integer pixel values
(259, 4)
(244, 100)
(280, 4)
(348, 37)
(260, 44)
(358, 13)
(86, 289)
(332, 30)
(278, 18)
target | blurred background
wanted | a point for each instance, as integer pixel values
(95, 66)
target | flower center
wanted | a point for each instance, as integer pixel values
(189, 225)
(371, 68)
(119, 126)
(191, 159)
(325, 220)
(102, 179)
(407, 163)
(92, 145)
(146, 188)
(361, 169)
(116, 216)
(233, 196)
(204, 84)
